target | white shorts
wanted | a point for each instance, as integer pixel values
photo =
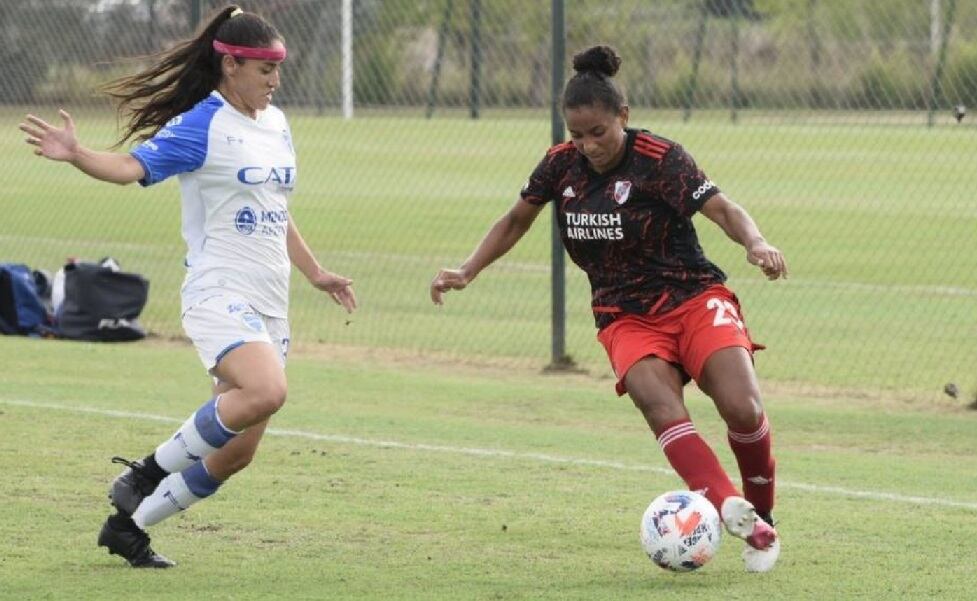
(219, 324)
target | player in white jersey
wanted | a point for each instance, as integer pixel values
(204, 114)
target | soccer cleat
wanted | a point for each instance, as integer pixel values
(130, 487)
(763, 544)
(742, 521)
(123, 538)
(738, 516)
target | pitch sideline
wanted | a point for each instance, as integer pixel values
(503, 454)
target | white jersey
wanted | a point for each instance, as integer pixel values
(235, 176)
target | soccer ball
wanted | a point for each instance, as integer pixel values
(680, 531)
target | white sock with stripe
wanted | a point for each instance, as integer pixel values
(199, 436)
(177, 492)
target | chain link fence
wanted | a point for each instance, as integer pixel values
(841, 125)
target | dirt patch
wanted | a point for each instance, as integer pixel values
(521, 368)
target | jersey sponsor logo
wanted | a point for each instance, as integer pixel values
(254, 176)
(594, 226)
(235, 140)
(265, 223)
(705, 187)
(174, 121)
(246, 221)
(622, 190)
(568, 193)
(274, 216)
(150, 145)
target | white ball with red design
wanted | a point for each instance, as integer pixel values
(681, 531)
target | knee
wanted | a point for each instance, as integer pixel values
(266, 398)
(744, 413)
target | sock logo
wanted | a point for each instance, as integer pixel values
(759, 480)
(169, 496)
(186, 448)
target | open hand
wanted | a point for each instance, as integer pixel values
(49, 141)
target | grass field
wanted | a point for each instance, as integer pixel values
(876, 220)
(422, 455)
(390, 478)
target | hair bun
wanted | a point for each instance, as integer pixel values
(602, 59)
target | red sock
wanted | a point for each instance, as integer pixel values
(695, 462)
(757, 465)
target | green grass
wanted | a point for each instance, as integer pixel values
(875, 219)
(375, 492)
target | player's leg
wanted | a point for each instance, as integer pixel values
(140, 478)
(181, 459)
(257, 390)
(237, 454)
(655, 386)
(730, 380)
(715, 349)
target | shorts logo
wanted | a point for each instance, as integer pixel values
(705, 187)
(246, 221)
(253, 321)
(622, 190)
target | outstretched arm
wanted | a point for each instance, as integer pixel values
(339, 288)
(62, 145)
(499, 239)
(740, 227)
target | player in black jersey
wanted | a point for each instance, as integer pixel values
(626, 200)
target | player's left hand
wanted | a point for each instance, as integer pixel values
(339, 288)
(768, 259)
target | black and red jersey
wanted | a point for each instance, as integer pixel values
(630, 229)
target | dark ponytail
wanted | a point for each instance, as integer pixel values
(592, 84)
(185, 74)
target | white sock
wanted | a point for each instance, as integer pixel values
(199, 436)
(176, 493)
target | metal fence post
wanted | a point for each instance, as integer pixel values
(559, 360)
(475, 94)
(194, 14)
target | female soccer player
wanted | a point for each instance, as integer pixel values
(626, 200)
(205, 114)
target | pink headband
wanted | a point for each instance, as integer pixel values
(275, 53)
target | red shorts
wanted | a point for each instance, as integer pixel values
(685, 336)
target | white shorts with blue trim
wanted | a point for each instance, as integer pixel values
(219, 324)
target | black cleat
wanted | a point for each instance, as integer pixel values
(123, 538)
(131, 486)
(766, 517)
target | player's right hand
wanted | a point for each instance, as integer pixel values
(447, 279)
(49, 141)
